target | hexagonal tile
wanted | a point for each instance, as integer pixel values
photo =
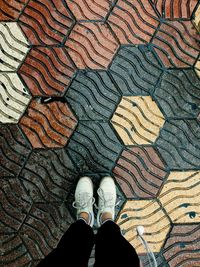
(90, 10)
(46, 22)
(93, 95)
(180, 196)
(47, 70)
(177, 44)
(182, 246)
(14, 98)
(171, 9)
(135, 70)
(140, 172)
(133, 23)
(91, 45)
(149, 214)
(178, 93)
(138, 120)
(10, 10)
(48, 125)
(196, 19)
(179, 144)
(14, 150)
(14, 46)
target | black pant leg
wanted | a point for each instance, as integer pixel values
(112, 249)
(74, 248)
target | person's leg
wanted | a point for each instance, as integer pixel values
(112, 249)
(74, 248)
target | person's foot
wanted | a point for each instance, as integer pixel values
(107, 200)
(84, 200)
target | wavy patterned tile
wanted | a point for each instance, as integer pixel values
(48, 125)
(14, 150)
(94, 147)
(180, 196)
(49, 175)
(47, 71)
(197, 67)
(93, 95)
(140, 172)
(15, 205)
(133, 23)
(40, 233)
(161, 262)
(179, 144)
(14, 98)
(196, 19)
(179, 94)
(90, 9)
(46, 22)
(91, 45)
(177, 44)
(173, 9)
(135, 70)
(14, 46)
(10, 10)
(149, 214)
(183, 245)
(137, 120)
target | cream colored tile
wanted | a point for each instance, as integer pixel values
(138, 120)
(196, 19)
(14, 46)
(197, 67)
(180, 196)
(149, 214)
(14, 98)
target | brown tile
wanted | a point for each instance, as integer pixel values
(138, 120)
(176, 43)
(91, 45)
(90, 10)
(140, 172)
(133, 23)
(47, 71)
(182, 246)
(10, 10)
(171, 9)
(45, 22)
(48, 125)
(150, 215)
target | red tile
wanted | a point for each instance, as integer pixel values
(173, 9)
(89, 9)
(176, 43)
(48, 125)
(182, 247)
(47, 71)
(91, 45)
(10, 10)
(133, 23)
(46, 22)
(140, 172)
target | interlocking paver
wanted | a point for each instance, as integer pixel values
(47, 71)
(48, 125)
(196, 19)
(172, 9)
(91, 45)
(140, 172)
(133, 22)
(177, 44)
(46, 22)
(93, 95)
(10, 10)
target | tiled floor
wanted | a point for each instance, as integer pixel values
(93, 88)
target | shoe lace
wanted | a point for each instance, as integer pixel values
(83, 200)
(107, 200)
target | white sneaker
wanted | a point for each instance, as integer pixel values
(84, 199)
(107, 198)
